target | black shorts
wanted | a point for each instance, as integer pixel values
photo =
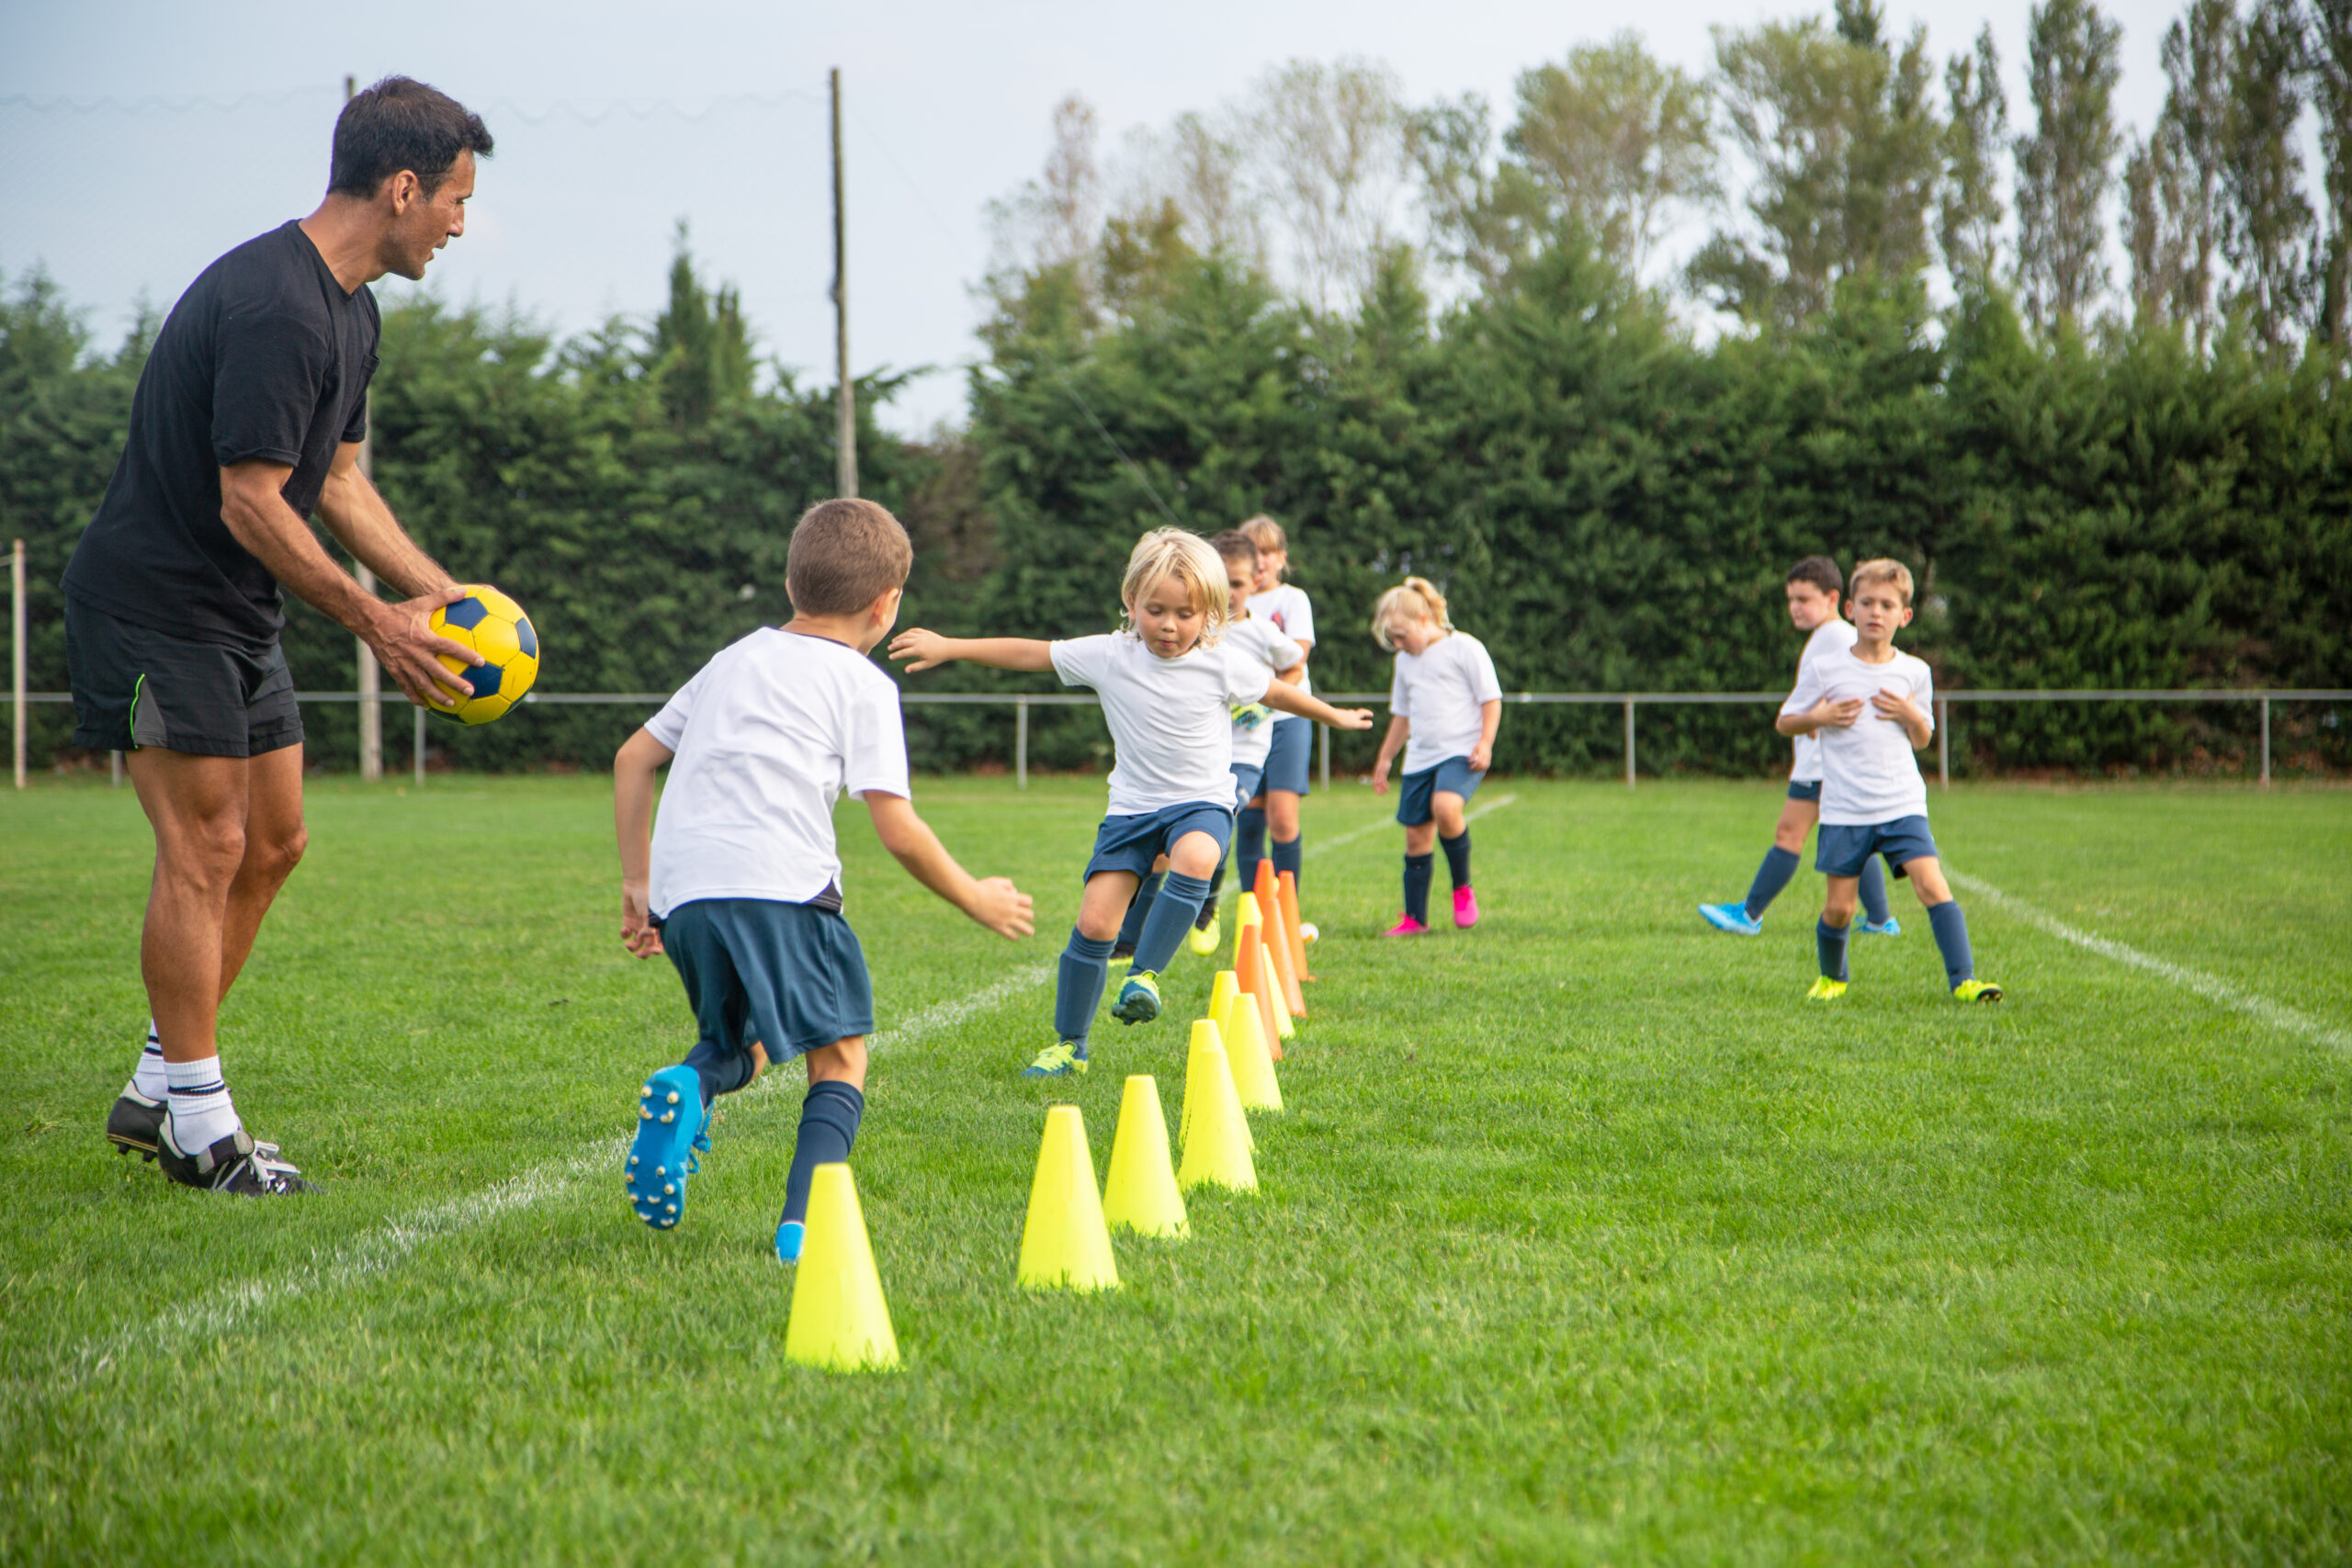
(134, 686)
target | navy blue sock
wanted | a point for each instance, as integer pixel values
(1172, 914)
(1952, 940)
(721, 1072)
(1778, 866)
(1287, 857)
(1457, 858)
(1419, 869)
(1875, 907)
(1086, 965)
(1832, 940)
(1249, 844)
(829, 1119)
(1138, 911)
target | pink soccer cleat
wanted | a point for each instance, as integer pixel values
(1406, 927)
(1465, 908)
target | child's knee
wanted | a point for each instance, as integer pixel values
(1420, 837)
(1447, 809)
(842, 1062)
(1195, 854)
(1282, 814)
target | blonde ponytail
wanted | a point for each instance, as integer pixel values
(1415, 599)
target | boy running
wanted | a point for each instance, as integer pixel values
(1871, 705)
(1813, 584)
(1168, 690)
(742, 883)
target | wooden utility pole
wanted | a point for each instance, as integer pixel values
(846, 479)
(16, 639)
(371, 710)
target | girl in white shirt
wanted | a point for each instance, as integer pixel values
(1168, 690)
(1287, 609)
(1445, 706)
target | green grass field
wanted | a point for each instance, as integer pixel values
(1583, 1238)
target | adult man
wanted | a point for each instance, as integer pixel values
(248, 417)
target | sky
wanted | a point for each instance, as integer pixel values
(139, 141)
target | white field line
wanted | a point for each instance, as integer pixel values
(2212, 988)
(1352, 834)
(388, 1246)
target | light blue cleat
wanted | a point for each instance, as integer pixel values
(789, 1237)
(1891, 927)
(671, 1121)
(1733, 917)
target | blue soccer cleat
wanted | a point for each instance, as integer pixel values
(1063, 1059)
(789, 1234)
(672, 1121)
(1888, 927)
(1733, 917)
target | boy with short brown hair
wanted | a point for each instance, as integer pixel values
(1872, 706)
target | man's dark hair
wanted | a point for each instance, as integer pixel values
(1235, 545)
(399, 124)
(1822, 572)
(843, 556)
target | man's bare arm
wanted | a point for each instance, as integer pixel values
(252, 505)
(356, 512)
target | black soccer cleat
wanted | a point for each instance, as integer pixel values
(235, 1164)
(135, 1126)
(1207, 916)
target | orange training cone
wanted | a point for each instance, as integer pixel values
(1276, 1003)
(1278, 942)
(1292, 925)
(1141, 1192)
(1251, 973)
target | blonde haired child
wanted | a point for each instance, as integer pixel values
(1445, 706)
(1168, 690)
(1285, 608)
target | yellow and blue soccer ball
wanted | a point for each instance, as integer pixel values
(494, 627)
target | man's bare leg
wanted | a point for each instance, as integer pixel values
(198, 808)
(274, 839)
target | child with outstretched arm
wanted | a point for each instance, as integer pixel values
(740, 882)
(1168, 690)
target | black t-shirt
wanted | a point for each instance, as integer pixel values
(263, 356)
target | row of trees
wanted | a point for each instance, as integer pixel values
(1822, 149)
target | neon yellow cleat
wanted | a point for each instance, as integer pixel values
(1976, 991)
(1063, 1059)
(1825, 989)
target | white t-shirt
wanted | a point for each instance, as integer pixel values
(1442, 691)
(1290, 613)
(1170, 720)
(767, 736)
(1253, 723)
(1833, 636)
(1869, 772)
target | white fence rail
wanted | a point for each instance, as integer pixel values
(1629, 701)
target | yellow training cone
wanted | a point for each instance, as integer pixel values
(1065, 1242)
(1221, 994)
(1247, 920)
(1216, 1133)
(1253, 1065)
(1204, 1031)
(1141, 1192)
(1275, 1004)
(839, 1318)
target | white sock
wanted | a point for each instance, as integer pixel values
(150, 1080)
(202, 1114)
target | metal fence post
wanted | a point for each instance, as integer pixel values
(16, 651)
(1325, 737)
(2265, 741)
(1943, 744)
(416, 746)
(1020, 743)
(114, 770)
(1628, 743)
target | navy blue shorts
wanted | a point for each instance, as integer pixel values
(1132, 843)
(1248, 779)
(134, 686)
(1288, 759)
(1809, 790)
(1418, 803)
(791, 976)
(1841, 851)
